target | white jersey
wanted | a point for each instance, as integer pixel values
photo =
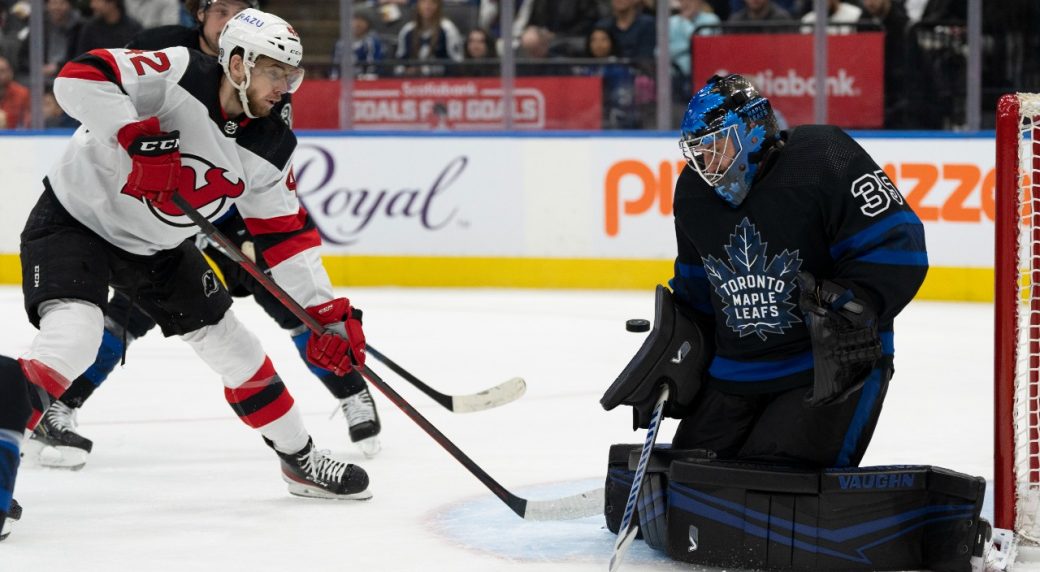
(245, 163)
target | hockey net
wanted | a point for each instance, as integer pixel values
(1017, 327)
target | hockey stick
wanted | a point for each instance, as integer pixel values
(628, 530)
(500, 394)
(574, 506)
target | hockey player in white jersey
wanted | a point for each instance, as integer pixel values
(155, 124)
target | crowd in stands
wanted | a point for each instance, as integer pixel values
(615, 39)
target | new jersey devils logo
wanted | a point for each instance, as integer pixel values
(205, 186)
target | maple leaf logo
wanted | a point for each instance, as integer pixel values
(756, 294)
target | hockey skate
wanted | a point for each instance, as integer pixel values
(363, 420)
(313, 473)
(55, 442)
(9, 518)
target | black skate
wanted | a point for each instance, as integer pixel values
(55, 442)
(363, 420)
(9, 518)
(313, 473)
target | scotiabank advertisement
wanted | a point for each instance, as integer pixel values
(557, 103)
(781, 66)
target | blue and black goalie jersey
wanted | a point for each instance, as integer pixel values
(822, 206)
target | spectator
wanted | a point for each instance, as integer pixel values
(634, 31)
(535, 42)
(894, 21)
(368, 48)
(429, 37)
(54, 117)
(14, 97)
(60, 33)
(572, 18)
(154, 13)
(692, 15)
(618, 79)
(481, 51)
(14, 26)
(110, 27)
(838, 12)
(759, 11)
(793, 7)
(945, 11)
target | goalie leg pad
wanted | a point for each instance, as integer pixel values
(674, 352)
(874, 518)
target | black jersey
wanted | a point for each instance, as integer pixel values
(822, 206)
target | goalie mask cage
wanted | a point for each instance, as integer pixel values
(1017, 317)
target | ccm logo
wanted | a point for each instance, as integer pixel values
(160, 145)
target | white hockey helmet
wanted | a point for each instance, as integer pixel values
(260, 34)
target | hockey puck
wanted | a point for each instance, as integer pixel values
(637, 325)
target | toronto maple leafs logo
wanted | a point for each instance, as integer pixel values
(756, 295)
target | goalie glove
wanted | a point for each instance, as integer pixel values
(675, 353)
(845, 341)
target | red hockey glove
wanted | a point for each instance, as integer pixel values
(156, 157)
(342, 345)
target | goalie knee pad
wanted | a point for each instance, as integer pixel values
(675, 353)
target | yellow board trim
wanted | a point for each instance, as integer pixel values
(943, 283)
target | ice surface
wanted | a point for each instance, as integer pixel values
(177, 483)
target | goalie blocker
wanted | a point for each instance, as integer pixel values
(741, 515)
(674, 353)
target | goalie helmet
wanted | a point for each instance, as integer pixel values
(258, 34)
(725, 133)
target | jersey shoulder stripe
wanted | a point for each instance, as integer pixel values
(95, 65)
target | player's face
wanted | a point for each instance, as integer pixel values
(212, 21)
(712, 155)
(271, 80)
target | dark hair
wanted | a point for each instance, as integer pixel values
(435, 38)
(489, 44)
(615, 49)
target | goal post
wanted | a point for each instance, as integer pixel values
(1016, 486)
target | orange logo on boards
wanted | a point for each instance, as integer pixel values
(967, 196)
(657, 187)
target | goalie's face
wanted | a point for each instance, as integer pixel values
(712, 155)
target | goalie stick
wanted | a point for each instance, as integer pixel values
(503, 393)
(574, 506)
(628, 530)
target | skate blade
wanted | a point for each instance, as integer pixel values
(55, 456)
(370, 447)
(315, 493)
(62, 457)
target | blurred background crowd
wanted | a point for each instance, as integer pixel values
(925, 43)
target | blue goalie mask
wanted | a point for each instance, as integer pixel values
(725, 133)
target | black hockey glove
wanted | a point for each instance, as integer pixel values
(845, 340)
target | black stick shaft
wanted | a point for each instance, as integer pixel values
(517, 504)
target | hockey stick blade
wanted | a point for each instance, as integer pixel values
(588, 503)
(515, 503)
(495, 396)
(501, 394)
